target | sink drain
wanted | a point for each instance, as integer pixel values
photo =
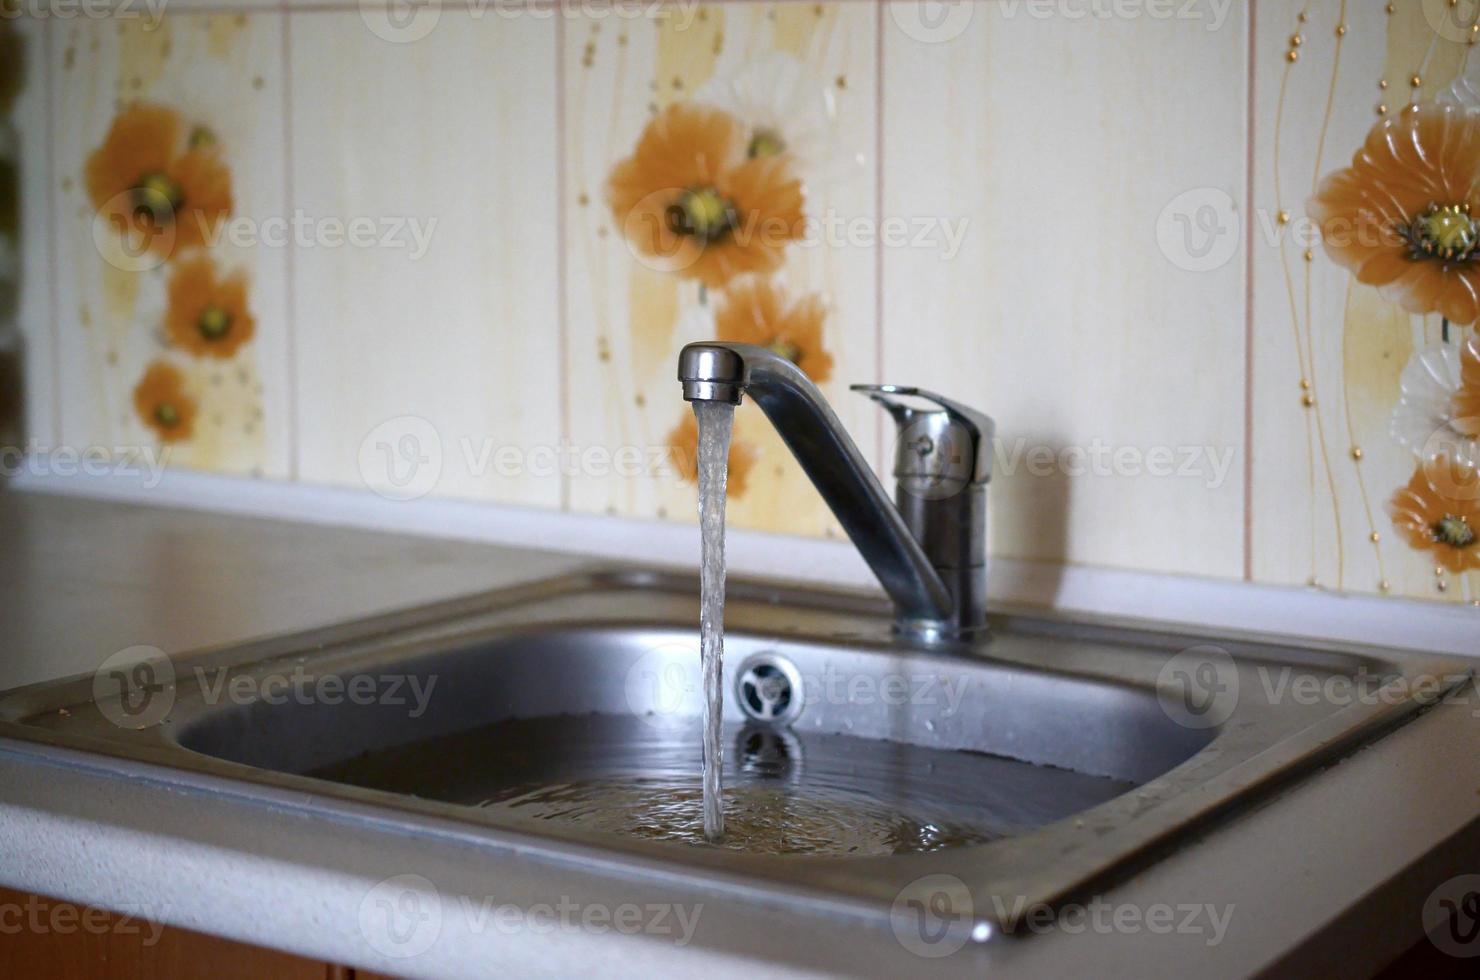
(769, 689)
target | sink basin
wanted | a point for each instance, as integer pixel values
(1032, 767)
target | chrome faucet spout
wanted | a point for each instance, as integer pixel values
(711, 373)
(924, 591)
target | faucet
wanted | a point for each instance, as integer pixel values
(927, 547)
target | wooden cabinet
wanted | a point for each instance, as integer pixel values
(46, 939)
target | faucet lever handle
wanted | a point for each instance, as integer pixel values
(925, 434)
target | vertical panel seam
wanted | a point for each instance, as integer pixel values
(562, 307)
(1249, 243)
(290, 320)
(879, 217)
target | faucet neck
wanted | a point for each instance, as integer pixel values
(935, 575)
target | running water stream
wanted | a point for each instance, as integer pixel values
(716, 421)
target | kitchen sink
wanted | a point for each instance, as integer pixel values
(1036, 764)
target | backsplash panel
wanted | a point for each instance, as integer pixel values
(1095, 228)
(802, 75)
(1111, 358)
(1330, 351)
(443, 327)
(196, 99)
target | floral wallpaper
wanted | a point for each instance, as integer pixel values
(625, 184)
(697, 209)
(1399, 219)
(166, 195)
(159, 172)
(1382, 302)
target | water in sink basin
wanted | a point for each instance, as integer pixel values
(788, 792)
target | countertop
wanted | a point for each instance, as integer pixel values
(1335, 869)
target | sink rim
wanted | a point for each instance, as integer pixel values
(858, 885)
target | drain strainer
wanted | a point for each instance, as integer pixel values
(769, 689)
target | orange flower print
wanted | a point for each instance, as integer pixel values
(689, 201)
(683, 451)
(207, 316)
(1439, 512)
(165, 191)
(755, 311)
(1467, 398)
(162, 403)
(1400, 218)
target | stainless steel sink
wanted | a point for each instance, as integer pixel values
(1109, 741)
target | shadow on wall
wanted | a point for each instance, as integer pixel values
(1038, 503)
(12, 359)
